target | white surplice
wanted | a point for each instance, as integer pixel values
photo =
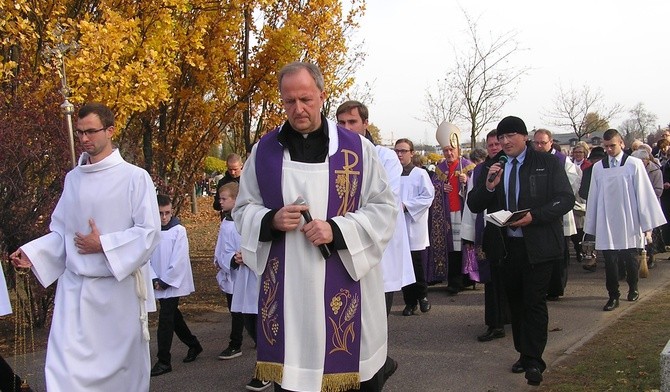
(227, 243)
(417, 193)
(245, 291)
(96, 341)
(397, 260)
(241, 282)
(366, 232)
(171, 263)
(621, 206)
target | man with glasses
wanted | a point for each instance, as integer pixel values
(416, 193)
(103, 231)
(529, 247)
(544, 142)
(622, 210)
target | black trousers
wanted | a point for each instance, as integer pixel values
(577, 243)
(613, 258)
(559, 273)
(171, 322)
(412, 293)
(455, 270)
(237, 326)
(389, 302)
(526, 285)
(496, 308)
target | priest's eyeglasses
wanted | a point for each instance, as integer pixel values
(88, 132)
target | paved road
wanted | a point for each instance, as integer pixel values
(436, 351)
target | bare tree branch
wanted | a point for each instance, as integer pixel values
(481, 82)
(582, 111)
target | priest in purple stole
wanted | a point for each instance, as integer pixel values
(445, 214)
(321, 312)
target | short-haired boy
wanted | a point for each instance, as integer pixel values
(172, 278)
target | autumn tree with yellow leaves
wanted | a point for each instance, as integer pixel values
(181, 75)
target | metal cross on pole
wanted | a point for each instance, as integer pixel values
(67, 108)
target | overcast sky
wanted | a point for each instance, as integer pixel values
(620, 47)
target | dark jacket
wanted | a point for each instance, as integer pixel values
(544, 188)
(223, 181)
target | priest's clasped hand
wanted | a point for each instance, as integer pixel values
(288, 217)
(318, 232)
(89, 243)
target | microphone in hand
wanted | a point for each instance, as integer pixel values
(323, 248)
(502, 160)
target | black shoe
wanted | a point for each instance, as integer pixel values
(390, 366)
(451, 290)
(160, 368)
(424, 305)
(491, 333)
(193, 353)
(611, 304)
(230, 353)
(258, 385)
(534, 376)
(633, 295)
(590, 267)
(518, 367)
(409, 310)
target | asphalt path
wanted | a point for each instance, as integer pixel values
(436, 351)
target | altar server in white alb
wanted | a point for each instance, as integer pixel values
(621, 212)
(416, 193)
(321, 317)
(172, 278)
(103, 231)
(396, 262)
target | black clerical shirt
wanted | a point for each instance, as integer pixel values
(307, 148)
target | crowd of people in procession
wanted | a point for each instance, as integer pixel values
(320, 227)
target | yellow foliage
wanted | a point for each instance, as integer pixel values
(178, 73)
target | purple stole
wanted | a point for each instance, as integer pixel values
(342, 295)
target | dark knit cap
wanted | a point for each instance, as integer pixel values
(597, 153)
(511, 124)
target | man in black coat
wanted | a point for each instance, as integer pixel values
(530, 246)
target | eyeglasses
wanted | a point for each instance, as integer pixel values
(507, 135)
(402, 151)
(540, 143)
(89, 132)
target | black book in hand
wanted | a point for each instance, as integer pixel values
(503, 218)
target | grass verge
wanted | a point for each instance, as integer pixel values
(622, 357)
